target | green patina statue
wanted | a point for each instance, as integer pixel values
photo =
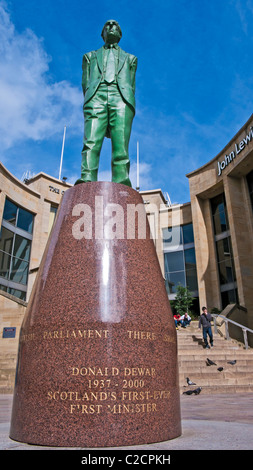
(108, 83)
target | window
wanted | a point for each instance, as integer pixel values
(17, 216)
(224, 252)
(174, 261)
(219, 212)
(52, 215)
(15, 249)
(188, 234)
(250, 186)
(179, 258)
(172, 237)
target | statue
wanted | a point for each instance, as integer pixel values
(108, 83)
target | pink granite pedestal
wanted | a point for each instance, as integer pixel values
(97, 363)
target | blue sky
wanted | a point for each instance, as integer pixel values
(194, 83)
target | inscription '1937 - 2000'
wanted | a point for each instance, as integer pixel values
(111, 390)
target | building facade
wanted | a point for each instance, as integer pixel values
(221, 206)
(205, 244)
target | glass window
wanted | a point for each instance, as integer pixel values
(224, 251)
(6, 240)
(190, 258)
(19, 271)
(52, 215)
(15, 249)
(25, 220)
(250, 186)
(223, 248)
(172, 237)
(18, 216)
(191, 279)
(218, 204)
(17, 293)
(219, 212)
(5, 263)
(229, 297)
(10, 212)
(188, 234)
(220, 224)
(175, 279)
(174, 261)
(22, 248)
(180, 265)
(226, 271)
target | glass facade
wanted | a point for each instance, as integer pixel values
(15, 249)
(179, 258)
(224, 252)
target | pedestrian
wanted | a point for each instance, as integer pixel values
(186, 319)
(205, 321)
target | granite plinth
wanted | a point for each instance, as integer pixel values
(97, 363)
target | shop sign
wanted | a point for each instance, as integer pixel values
(239, 147)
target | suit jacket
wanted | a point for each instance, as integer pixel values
(125, 74)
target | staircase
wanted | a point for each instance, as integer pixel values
(192, 357)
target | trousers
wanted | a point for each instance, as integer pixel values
(105, 113)
(207, 330)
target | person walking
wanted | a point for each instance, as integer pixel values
(205, 322)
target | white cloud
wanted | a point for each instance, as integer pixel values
(146, 179)
(30, 106)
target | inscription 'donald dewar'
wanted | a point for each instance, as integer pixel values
(112, 390)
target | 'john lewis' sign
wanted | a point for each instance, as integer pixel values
(238, 149)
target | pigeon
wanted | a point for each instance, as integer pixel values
(210, 363)
(232, 362)
(197, 391)
(190, 392)
(220, 369)
(189, 381)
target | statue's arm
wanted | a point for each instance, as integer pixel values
(86, 72)
(133, 68)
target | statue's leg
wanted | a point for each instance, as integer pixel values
(120, 122)
(95, 125)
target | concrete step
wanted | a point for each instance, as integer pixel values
(230, 370)
(218, 377)
(192, 357)
(228, 389)
(215, 357)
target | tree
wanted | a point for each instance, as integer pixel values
(183, 300)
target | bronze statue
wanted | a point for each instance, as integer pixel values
(108, 83)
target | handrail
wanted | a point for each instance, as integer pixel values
(226, 321)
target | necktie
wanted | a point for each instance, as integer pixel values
(110, 67)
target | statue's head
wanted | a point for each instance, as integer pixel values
(111, 32)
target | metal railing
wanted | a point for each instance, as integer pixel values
(226, 320)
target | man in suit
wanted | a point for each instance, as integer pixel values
(108, 83)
